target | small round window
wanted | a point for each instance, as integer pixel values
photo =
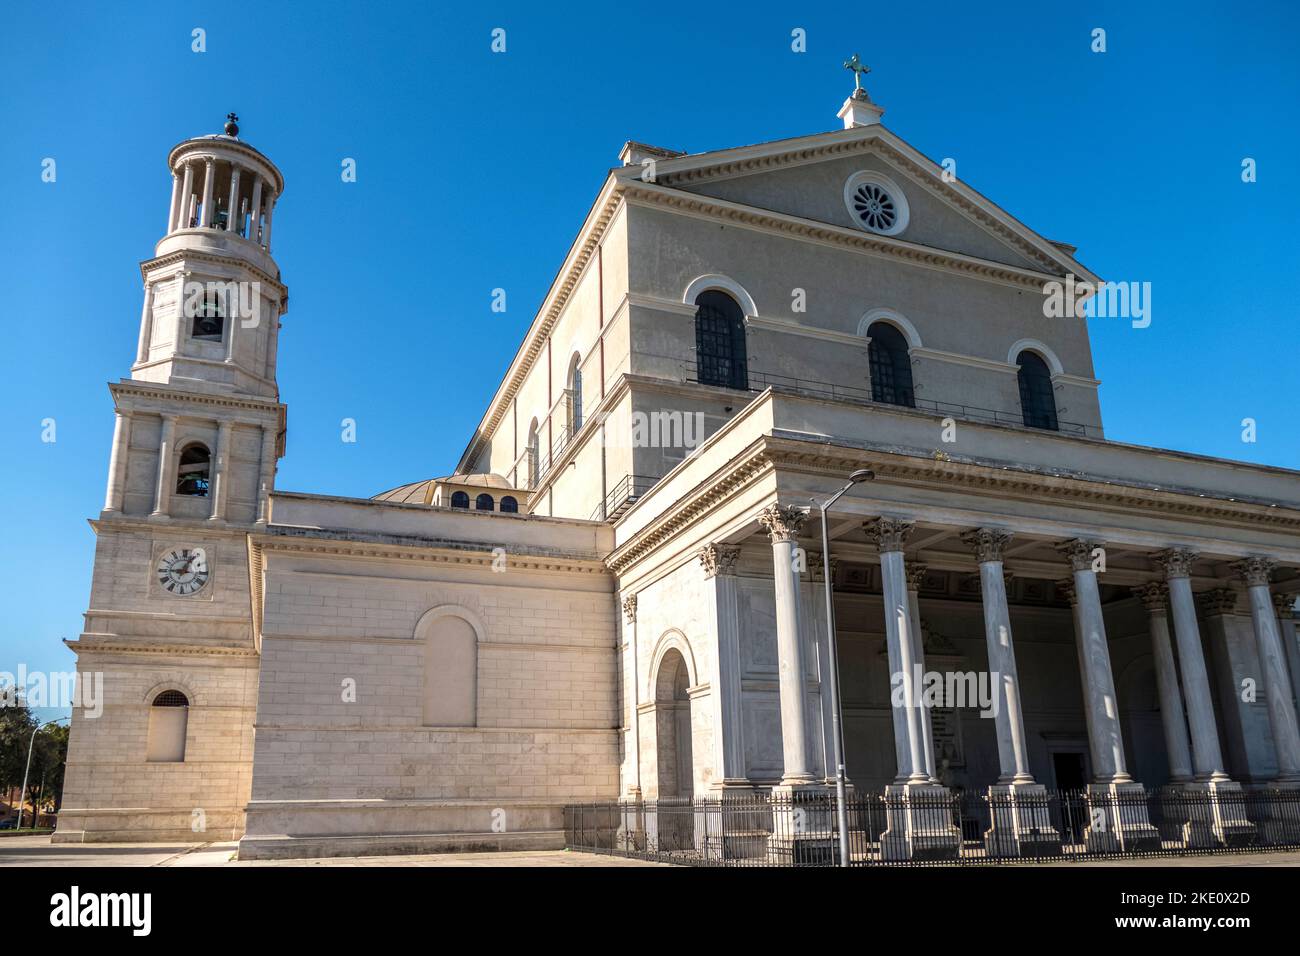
(876, 203)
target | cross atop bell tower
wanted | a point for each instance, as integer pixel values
(213, 296)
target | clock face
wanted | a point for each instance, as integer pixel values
(183, 570)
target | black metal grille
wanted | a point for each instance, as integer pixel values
(891, 366)
(720, 341)
(937, 828)
(1037, 397)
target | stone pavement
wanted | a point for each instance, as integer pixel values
(38, 851)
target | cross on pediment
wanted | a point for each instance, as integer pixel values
(859, 69)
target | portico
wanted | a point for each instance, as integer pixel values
(1059, 592)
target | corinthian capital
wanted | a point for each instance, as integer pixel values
(888, 534)
(1255, 571)
(1218, 601)
(1284, 601)
(915, 576)
(987, 543)
(1078, 551)
(782, 522)
(719, 559)
(1175, 562)
(1153, 594)
(1067, 591)
(629, 608)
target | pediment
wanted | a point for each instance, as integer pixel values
(807, 177)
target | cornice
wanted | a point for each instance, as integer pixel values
(187, 255)
(464, 554)
(116, 645)
(162, 393)
(768, 454)
(739, 473)
(878, 141)
(843, 237)
(589, 238)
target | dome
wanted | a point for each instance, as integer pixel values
(421, 492)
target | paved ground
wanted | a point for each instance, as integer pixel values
(38, 851)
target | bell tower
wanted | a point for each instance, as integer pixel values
(169, 635)
(202, 399)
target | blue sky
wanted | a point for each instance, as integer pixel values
(475, 170)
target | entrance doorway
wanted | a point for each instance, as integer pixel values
(1071, 777)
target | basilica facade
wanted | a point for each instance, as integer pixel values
(618, 592)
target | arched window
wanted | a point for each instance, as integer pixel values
(209, 319)
(509, 505)
(194, 471)
(891, 366)
(720, 341)
(575, 395)
(459, 499)
(168, 719)
(484, 503)
(1037, 397)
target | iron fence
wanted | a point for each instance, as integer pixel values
(929, 825)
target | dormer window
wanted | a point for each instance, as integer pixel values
(876, 203)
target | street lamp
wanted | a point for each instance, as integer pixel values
(22, 794)
(837, 735)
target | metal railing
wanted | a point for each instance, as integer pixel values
(622, 496)
(758, 381)
(931, 826)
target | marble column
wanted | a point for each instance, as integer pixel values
(117, 459)
(1177, 745)
(255, 210)
(782, 524)
(1286, 623)
(1255, 571)
(266, 232)
(821, 718)
(163, 489)
(1207, 755)
(178, 338)
(146, 325)
(722, 592)
(915, 576)
(918, 812)
(1118, 805)
(187, 199)
(176, 196)
(1106, 740)
(631, 691)
(889, 536)
(1013, 750)
(232, 208)
(209, 177)
(266, 474)
(220, 470)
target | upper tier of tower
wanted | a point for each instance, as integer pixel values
(223, 191)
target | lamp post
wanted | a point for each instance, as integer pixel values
(837, 735)
(22, 794)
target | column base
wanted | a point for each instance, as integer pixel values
(1118, 819)
(918, 823)
(1213, 813)
(734, 822)
(1021, 822)
(802, 825)
(630, 835)
(1277, 820)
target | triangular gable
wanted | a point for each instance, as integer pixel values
(804, 177)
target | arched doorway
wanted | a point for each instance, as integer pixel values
(675, 763)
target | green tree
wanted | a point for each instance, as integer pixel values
(16, 725)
